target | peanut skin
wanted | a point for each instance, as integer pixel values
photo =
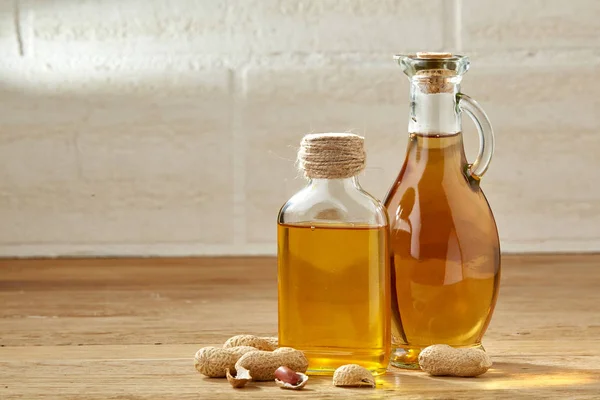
(287, 375)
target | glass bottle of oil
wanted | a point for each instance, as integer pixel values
(444, 242)
(333, 261)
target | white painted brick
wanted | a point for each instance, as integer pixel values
(129, 27)
(282, 105)
(35, 159)
(531, 24)
(37, 136)
(541, 183)
(178, 127)
(340, 26)
(41, 113)
(236, 28)
(9, 44)
(117, 212)
(138, 156)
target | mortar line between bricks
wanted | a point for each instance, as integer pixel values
(184, 249)
(458, 25)
(17, 26)
(448, 26)
(239, 158)
(238, 152)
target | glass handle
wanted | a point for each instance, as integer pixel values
(486, 135)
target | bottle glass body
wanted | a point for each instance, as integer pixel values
(445, 251)
(334, 276)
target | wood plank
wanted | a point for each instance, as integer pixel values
(175, 300)
(128, 329)
(158, 374)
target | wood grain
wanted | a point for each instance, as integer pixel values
(128, 329)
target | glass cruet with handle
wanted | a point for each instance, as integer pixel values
(445, 250)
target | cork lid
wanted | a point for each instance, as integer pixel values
(425, 55)
(435, 72)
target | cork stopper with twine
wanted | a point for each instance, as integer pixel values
(435, 80)
(331, 155)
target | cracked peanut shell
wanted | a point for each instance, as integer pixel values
(353, 375)
(239, 381)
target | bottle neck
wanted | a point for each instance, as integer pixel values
(439, 152)
(434, 112)
(335, 185)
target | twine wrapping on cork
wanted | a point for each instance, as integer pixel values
(331, 155)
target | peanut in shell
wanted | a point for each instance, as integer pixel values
(263, 364)
(258, 342)
(214, 361)
(444, 360)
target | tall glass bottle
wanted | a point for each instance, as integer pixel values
(333, 261)
(444, 242)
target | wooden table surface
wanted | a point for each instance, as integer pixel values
(128, 329)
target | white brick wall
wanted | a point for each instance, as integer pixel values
(170, 127)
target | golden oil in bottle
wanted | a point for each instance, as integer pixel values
(333, 262)
(333, 303)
